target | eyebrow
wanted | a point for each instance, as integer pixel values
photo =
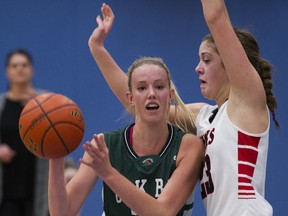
(205, 53)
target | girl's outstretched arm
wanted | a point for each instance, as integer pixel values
(66, 200)
(114, 76)
(247, 95)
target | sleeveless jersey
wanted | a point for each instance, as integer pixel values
(149, 173)
(233, 178)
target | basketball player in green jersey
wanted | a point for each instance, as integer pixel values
(238, 79)
(148, 168)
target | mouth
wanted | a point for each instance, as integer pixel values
(152, 106)
(202, 81)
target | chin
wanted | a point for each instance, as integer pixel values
(207, 96)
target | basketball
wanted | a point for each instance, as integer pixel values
(51, 125)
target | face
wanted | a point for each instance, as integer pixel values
(214, 83)
(19, 70)
(150, 93)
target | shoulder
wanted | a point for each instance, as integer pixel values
(116, 136)
(191, 139)
(2, 95)
(205, 110)
(191, 152)
(196, 107)
(187, 140)
(41, 91)
(191, 143)
(116, 132)
(2, 99)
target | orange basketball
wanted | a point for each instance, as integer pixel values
(51, 125)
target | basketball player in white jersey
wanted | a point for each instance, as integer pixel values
(236, 129)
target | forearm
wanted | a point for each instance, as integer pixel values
(136, 199)
(214, 11)
(114, 76)
(57, 194)
(243, 78)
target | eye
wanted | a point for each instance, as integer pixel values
(159, 87)
(141, 88)
(16, 65)
(206, 61)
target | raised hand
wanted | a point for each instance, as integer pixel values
(104, 26)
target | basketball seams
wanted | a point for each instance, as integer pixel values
(46, 114)
(58, 135)
(63, 116)
(37, 104)
(70, 123)
(53, 126)
(41, 144)
(43, 114)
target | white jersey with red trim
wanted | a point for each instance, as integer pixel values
(233, 180)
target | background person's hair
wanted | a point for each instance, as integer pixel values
(19, 51)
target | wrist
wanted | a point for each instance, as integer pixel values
(94, 44)
(110, 174)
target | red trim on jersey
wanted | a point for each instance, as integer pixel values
(244, 139)
(245, 169)
(244, 180)
(247, 153)
(245, 187)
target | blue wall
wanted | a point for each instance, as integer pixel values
(56, 33)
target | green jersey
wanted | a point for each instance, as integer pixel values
(150, 173)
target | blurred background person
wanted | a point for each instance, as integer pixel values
(23, 176)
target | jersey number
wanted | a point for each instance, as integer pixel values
(208, 186)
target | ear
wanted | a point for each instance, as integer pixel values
(172, 94)
(129, 97)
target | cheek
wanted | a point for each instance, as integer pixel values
(11, 74)
(216, 72)
(165, 99)
(222, 75)
(28, 72)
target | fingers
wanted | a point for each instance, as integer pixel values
(101, 144)
(90, 150)
(99, 21)
(107, 12)
(98, 153)
(97, 149)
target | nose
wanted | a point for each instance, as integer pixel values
(151, 93)
(199, 69)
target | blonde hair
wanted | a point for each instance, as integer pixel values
(181, 113)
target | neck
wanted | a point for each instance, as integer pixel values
(20, 91)
(149, 140)
(222, 98)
